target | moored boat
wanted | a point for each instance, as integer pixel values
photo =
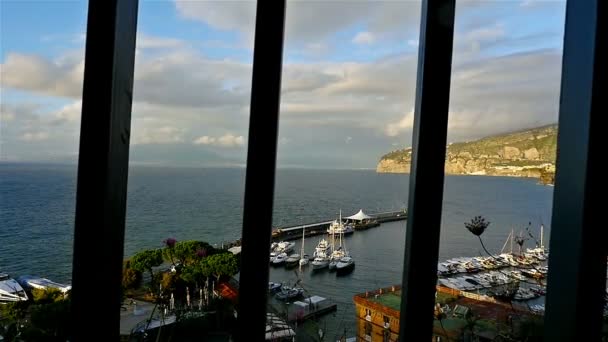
(10, 290)
(292, 261)
(345, 265)
(31, 282)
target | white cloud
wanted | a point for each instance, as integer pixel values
(406, 123)
(37, 74)
(226, 140)
(362, 38)
(34, 136)
(69, 113)
(308, 21)
(204, 140)
(145, 41)
(156, 135)
(413, 42)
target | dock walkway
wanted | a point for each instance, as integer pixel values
(320, 228)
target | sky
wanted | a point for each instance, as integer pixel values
(348, 83)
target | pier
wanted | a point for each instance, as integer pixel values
(320, 228)
(303, 309)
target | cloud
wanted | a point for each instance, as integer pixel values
(363, 38)
(182, 96)
(226, 140)
(37, 74)
(309, 21)
(204, 140)
(145, 41)
(69, 113)
(157, 135)
(34, 136)
(406, 123)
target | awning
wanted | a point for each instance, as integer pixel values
(360, 216)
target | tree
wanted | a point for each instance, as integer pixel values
(169, 282)
(192, 274)
(219, 265)
(131, 279)
(46, 296)
(49, 322)
(188, 252)
(146, 260)
(169, 250)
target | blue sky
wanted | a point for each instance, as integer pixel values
(348, 83)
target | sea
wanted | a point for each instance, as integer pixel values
(37, 203)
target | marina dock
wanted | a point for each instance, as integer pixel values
(320, 228)
(304, 309)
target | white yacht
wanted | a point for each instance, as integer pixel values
(284, 247)
(10, 290)
(322, 248)
(339, 227)
(32, 282)
(319, 262)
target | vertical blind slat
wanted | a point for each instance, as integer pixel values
(102, 169)
(427, 170)
(261, 164)
(577, 276)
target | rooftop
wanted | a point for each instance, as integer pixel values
(488, 313)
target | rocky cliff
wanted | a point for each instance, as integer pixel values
(528, 153)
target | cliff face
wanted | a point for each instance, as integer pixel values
(529, 153)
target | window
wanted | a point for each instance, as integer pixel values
(578, 262)
(387, 321)
(368, 331)
(386, 336)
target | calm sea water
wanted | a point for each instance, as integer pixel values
(37, 214)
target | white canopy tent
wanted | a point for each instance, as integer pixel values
(360, 216)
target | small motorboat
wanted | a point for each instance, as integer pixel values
(279, 259)
(288, 293)
(10, 290)
(274, 287)
(345, 265)
(292, 261)
(31, 282)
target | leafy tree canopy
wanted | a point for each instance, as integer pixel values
(218, 265)
(188, 252)
(145, 260)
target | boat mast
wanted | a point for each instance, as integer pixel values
(505, 245)
(302, 249)
(511, 241)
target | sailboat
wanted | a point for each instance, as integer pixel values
(339, 254)
(539, 252)
(303, 257)
(294, 259)
(345, 264)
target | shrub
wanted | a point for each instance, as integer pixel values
(131, 279)
(46, 296)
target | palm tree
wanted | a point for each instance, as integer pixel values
(478, 226)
